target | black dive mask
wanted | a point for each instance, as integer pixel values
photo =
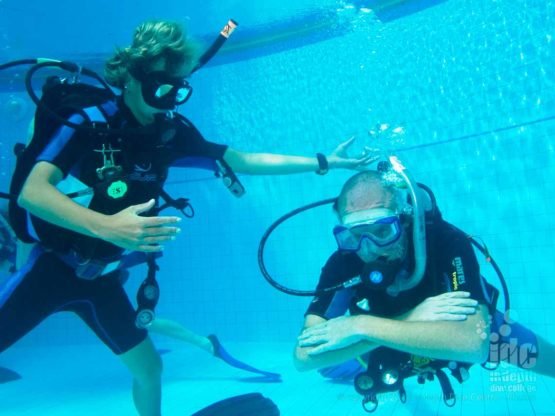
(380, 274)
(162, 91)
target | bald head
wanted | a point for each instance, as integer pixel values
(367, 190)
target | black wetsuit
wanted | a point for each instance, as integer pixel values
(48, 283)
(451, 266)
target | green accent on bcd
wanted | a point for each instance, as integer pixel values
(117, 189)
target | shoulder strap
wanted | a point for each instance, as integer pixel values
(59, 100)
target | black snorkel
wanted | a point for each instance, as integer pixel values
(225, 33)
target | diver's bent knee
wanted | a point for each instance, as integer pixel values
(144, 362)
(155, 367)
(150, 372)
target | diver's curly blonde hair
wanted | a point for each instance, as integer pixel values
(152, 41)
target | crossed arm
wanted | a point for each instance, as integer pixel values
(328, 342)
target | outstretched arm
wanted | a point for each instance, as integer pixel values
(275, 164)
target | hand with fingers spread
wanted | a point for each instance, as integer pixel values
(131, 231)
(450, 306)
(340, 158)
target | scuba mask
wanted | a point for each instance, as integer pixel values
(162, 91)
(382, 231)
